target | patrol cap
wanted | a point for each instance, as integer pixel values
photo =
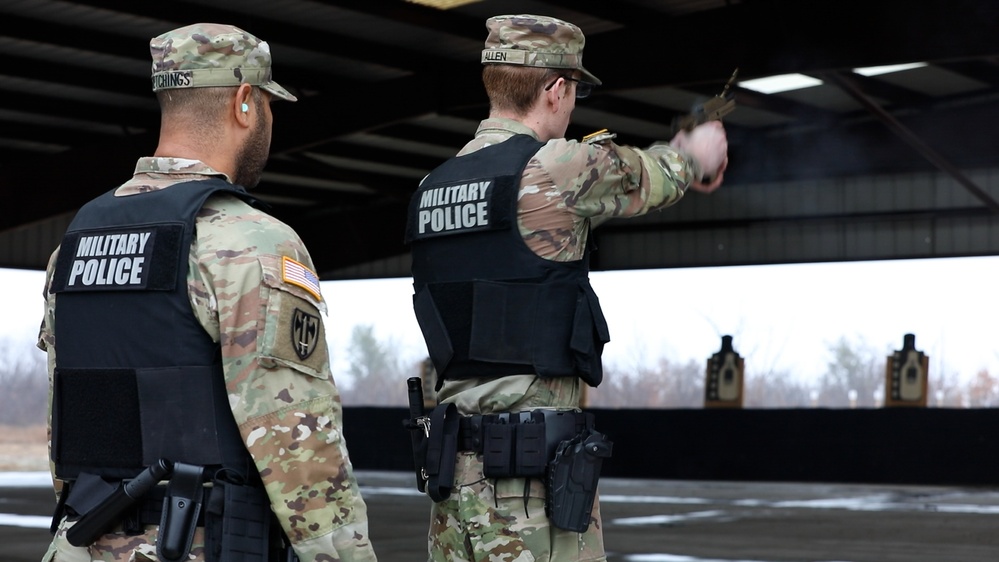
(204, 55)
(540, 41)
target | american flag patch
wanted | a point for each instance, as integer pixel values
(297, 274)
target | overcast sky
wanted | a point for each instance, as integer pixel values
(782, 318)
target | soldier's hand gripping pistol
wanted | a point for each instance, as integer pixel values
(712, 110)
(418, 425)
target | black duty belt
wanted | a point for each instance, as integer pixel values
(555, 425)
(512, 445)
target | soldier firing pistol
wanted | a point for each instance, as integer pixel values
(712, 110)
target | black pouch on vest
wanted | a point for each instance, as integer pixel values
(434, 332)
(572, 480)
(238, 523)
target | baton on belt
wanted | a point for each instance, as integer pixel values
(108, 514)
(418, 425)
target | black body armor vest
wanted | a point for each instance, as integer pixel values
(137, 378)
(487, 305)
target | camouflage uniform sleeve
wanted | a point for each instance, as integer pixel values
(569, 187)
(280, 388)
(46, 342)
(605, 180)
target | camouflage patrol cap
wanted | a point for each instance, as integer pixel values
(203, 55)
(540, 41)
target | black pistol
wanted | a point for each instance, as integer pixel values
(109, 513)
(418, 425)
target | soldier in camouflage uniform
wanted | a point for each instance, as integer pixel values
(249, 280)
(533, 75)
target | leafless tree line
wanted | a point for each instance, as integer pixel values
(24, 384)
(377, 372)
(854, 378)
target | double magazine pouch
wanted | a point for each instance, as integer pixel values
(515, 446)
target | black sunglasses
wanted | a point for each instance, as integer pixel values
(583, 88)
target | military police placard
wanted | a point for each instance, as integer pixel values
(119, 259)
(453, 209)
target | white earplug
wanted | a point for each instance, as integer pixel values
(245, 108)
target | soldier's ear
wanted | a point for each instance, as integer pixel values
(241, 104)
(554, 95)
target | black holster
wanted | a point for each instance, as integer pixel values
(571, 486)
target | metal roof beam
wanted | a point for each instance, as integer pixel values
(275, 32)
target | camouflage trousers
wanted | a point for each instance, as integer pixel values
(115, 547)
(504, 521)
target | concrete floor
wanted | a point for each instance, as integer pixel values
(674, 521)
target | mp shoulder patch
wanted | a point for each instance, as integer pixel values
(305, 332)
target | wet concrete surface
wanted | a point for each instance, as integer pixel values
(669, 521)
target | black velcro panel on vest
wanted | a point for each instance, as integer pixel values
(166, 251)
(179, 414)
(524, 323)
(123, 419)
(103, 405)
(453, 302)
(503, 329)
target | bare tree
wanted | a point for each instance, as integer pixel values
(25, 383)
(854, 370)
(377, 376)
(983, 391)
(666, 385)
(774, 389)
(377, 373)
(945, 390)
